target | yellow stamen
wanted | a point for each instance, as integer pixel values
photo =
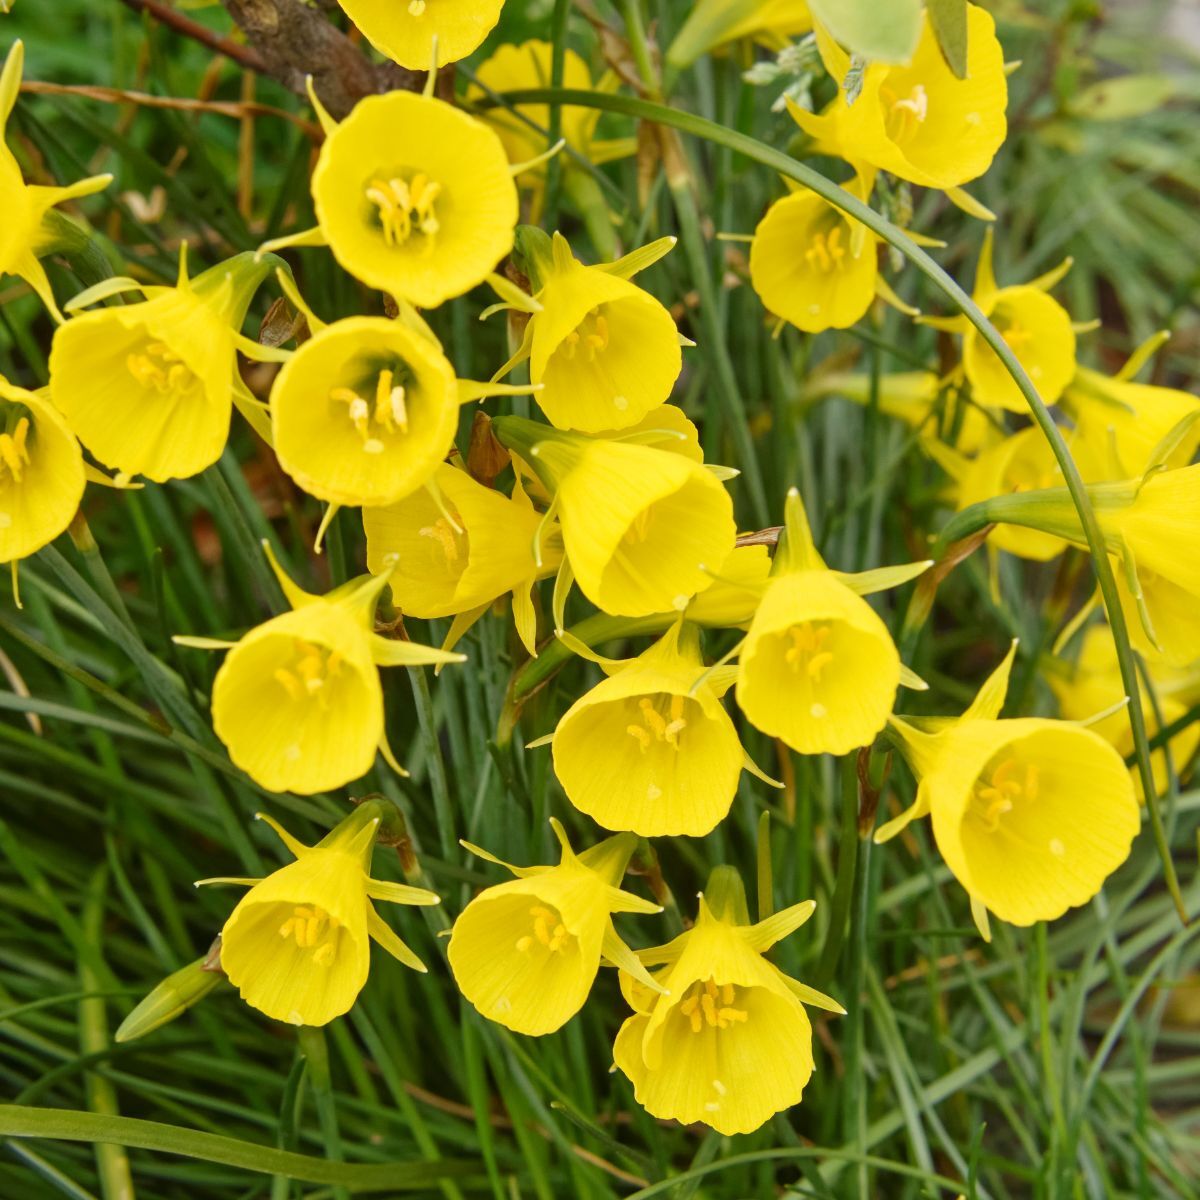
(14, 454)
(158, 368)
(405, 208)
(712, 1005)
(309, 925)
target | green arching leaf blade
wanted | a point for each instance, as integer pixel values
(885, 32)
(66, 1125)
(949, 21)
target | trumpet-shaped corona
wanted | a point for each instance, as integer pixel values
(297, 946)
(1031, 815)
(727, 1041)
(812, 265)
(41, 473)
(425, 218)
(1036, 328)
(525, 953)
(919, 120)
(651, 749)
(22, 237)
(1150, 525)
(1092, 685)
(149, 388)
(297, 701)
(818, 668)
(639, 524)
(407, 30)
(604, 352)
(364, 411)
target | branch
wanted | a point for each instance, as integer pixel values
(244, 56)
(295, 40)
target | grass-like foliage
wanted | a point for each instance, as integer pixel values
(295, 533)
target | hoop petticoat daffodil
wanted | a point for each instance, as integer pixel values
(42, 473)
(526, 953)
(651, 749)
(726, 1040)
(919, 121)
(1119, 423)
(815, 266)
(639, 523)
(455, 548)
(298, 945)
(367, 408)
(408, 30)
(1031, 815)
(714, 23)
(149, 388)
(1036, 327)
(605, 352)
(1019, 462)
(298, 701)
(1150, 526)
(818, 668)
(424, 217)
(24, 205)
(1092, 685)
(522, 127)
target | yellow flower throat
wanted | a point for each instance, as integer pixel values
(14, 450)
(709, 1006)
(548, 932)
(406, 208)
(590, 337)
(654, 727)
(826, 252)
(159, 369)
(309, 672)
(309, 925)
(387, 413)
(1007, 786)
(904, 113)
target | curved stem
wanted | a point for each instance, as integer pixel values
(853, 207)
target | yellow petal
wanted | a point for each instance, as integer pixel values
(819, 668)
(405, 31)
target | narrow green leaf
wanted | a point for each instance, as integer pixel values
(949, 21)
(66, 1125)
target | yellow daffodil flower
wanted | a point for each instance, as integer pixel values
(24, 205)
(41, 473)
(424, 229)
(651, 749)
(1150, 526)
(1036, 327)
(604, 352)
(715, 23)
(727, 1041)
(364, 411)
(149, 388)
(818, 668)
(455, 549)
(523, 128)
(407, 30)
(919, 121)
(298, 945)
(298, 701)
(1031, 815)
(1020, 462)
(1092, 685)
(1119, 424)
(639, 524)
(526, 953)
(813, 265)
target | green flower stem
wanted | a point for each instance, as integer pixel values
(554, 168)
(853, 207)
